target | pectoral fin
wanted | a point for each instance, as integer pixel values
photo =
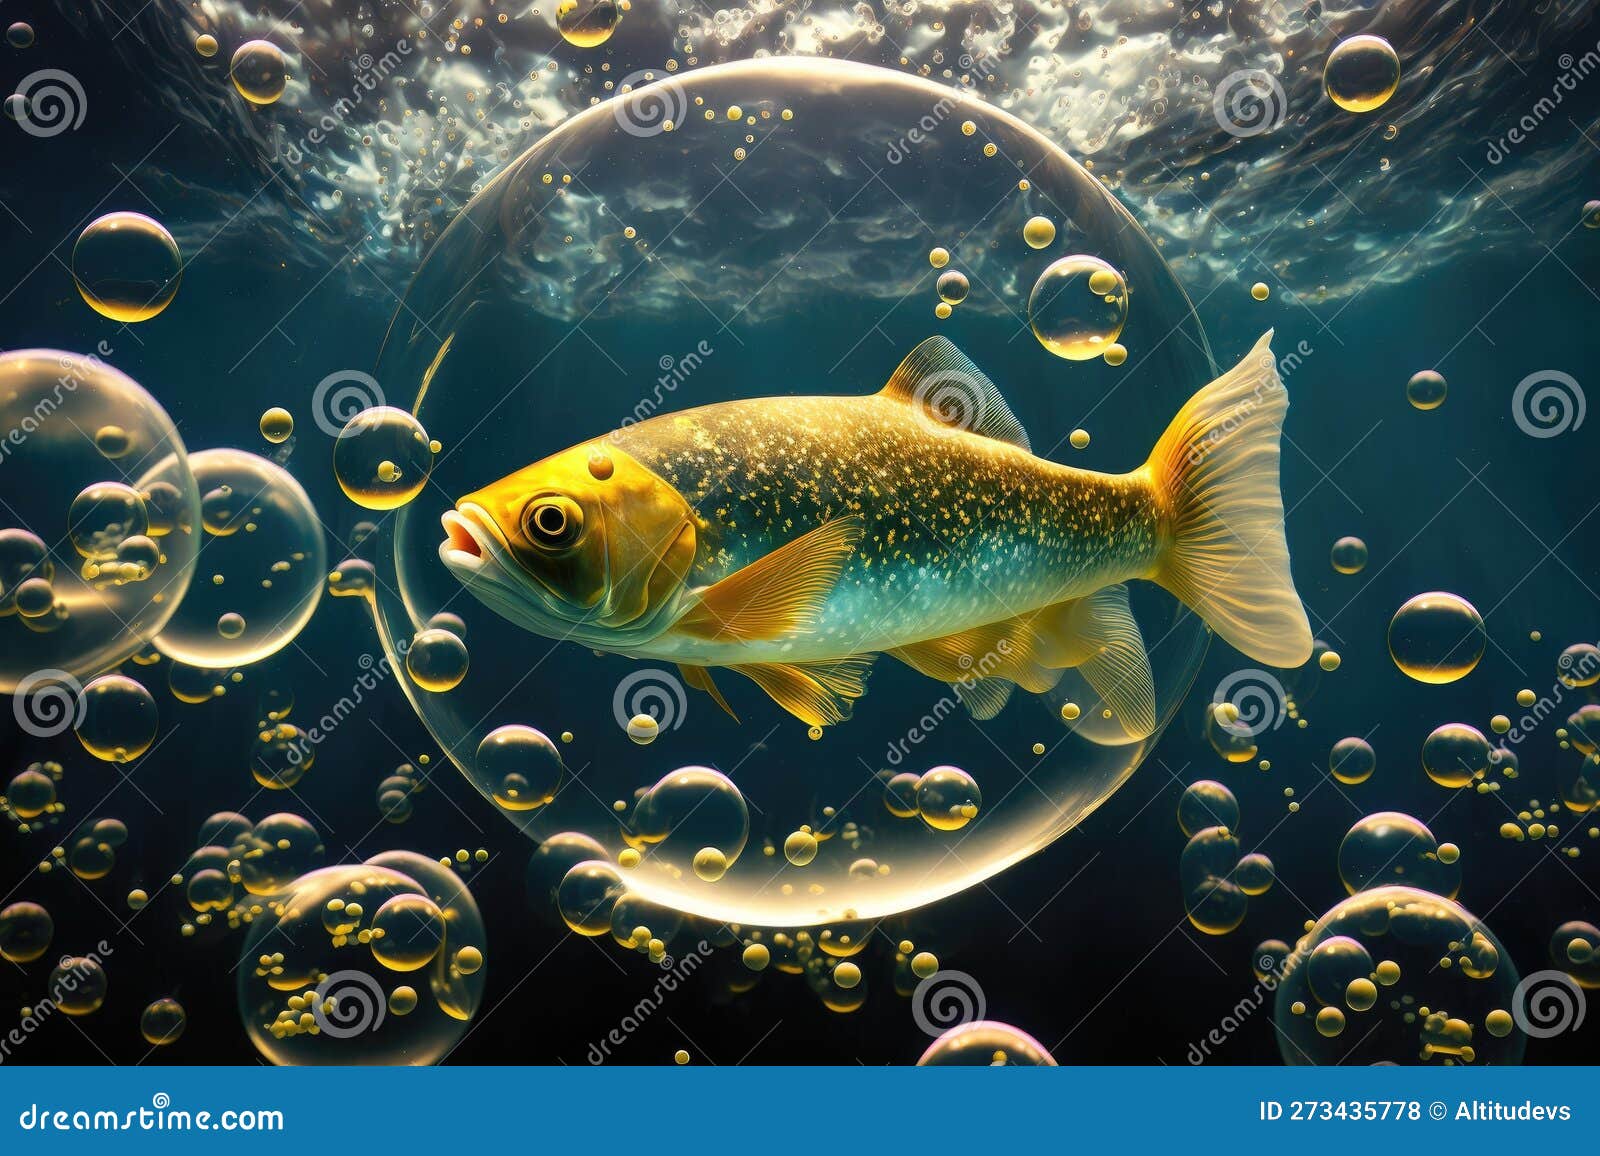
(1098, 635)
(700, 678)
(778, 593)
(819, 694)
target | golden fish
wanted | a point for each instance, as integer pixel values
(794, 539)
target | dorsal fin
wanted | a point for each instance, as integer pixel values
(942, 382)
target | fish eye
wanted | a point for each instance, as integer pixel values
(552, 522)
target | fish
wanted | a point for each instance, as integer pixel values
(796, 539)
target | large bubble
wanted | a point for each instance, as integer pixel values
(376, 963)
(1399, 975)
(613, 273)
(100, 527)
(261, 569)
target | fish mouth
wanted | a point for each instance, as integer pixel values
(469, 541)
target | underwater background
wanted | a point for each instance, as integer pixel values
(1449, 246)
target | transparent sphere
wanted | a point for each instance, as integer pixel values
(1426, 390)
(1398, 975)
(101, 458)
(78, 985)
(437, 660)
(530, 257)
(587, 23)
(162, 1022)
(1579, 665)
(1393, 847)
(25, 931)
(1349, 555)
(30, 794)
(117, 718)
(316, 987)
(1436, 637)
(1207, 803)
(986, 1043)
(263, 540)
(127, 266)
(275, 852)
(277, 425)
(1078, 307)
(382, 458)
(1574, 948)
(259, 71)
(517, 767)
(1361, 73)
(1352, 760)
(1456, 755)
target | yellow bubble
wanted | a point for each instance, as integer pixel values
(1352, 761)
(1526, 698)
(1449, 853)
(735, 112)
(680, 1056)
(924, 964)
(1038, 748)
(116, 718)
(1360, 995)
(1070, 711)
(968, 128)
(1329, 660)
(1426, 390)
(1455, 754)
(587, 23)
(1080, 441)
(1361, 73)
(710, 864)
(938, 257)
(403, 1000)
(437, 660)
(259, 71)
(948, 798)
(381, 458)
(1330, 1021)
(1349, 555)
(847, 975)
(1436, 637)
(1387, 972)
(468, 960)
(1499, 1023)
(1115, 354)
(1038, 232)
(206, 45)
(757, 956)
(162, 1022)
(1500, 724)
(952, 287)
(127, 266)
(643, 729)
(408, 932)
(800, 848)
(942, 310)
(1069, 317)
(277, 424)
(1260, 291)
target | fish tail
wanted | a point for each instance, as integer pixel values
(1226, 558)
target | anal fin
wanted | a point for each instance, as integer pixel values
(700, 678)
(819, 694)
